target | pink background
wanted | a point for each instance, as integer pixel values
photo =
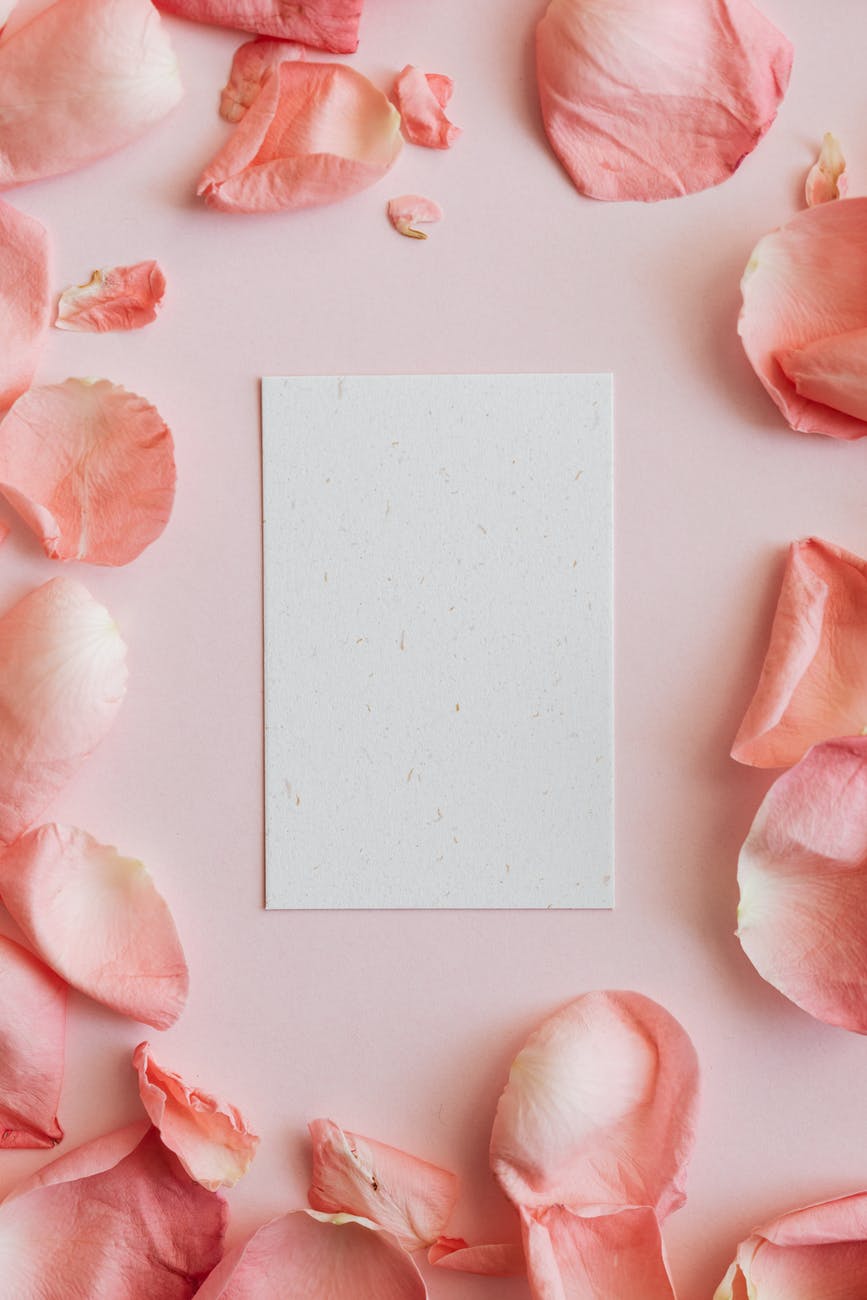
(402, 1025)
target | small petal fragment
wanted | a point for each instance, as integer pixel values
(421, 98)
(325, 24)
(410, 209)
(25, 301)
(115, 1218)
(90, 468)
(62, 680)
(503, 1260)
(250, 66)
(650, 101)
(96, 919)
(32, 1037)
(827, 179)
(115, 298)
(79, 80)
(599, 1257)
(813, 684)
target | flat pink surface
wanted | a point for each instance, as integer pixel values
(402, 1026)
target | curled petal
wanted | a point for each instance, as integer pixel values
(599, 1110)
(324, 24)
(407, 211)
(78, 80)
(97, 920)
(62, 680)
(116, 1218)
(32, 1036)
(604, 1257)
(832, 371)
(502, 1260)
(813, 684)
(24, 300)
(116, 298)
(250, 66)
(421, 98)
(90, 468)
(827, 179)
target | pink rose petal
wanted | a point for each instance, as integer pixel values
(250, 66)
(649, 101)
(813, 684)
(310, 1255)
(803, 293)
(32, 1038)
(115, 298)
(116, 1219)
(421, 98)
(827, 179)
(325, 24)
(97, 920)
(62, 680)
(616, 1256)
(407, 211)
(4, 531)
(79, 80)
(25, 302)
(502, 1260)
(400, 1193)
(90, 468)
(210, 1138)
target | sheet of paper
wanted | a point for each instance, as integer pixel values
(438, 641)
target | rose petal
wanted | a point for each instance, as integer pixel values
(599, 1109)
(4, 531)
(406, 211)
(832, 371)
(309, 1255)
(316, 133)
(117, 1218)
(649, 101)
(250, 66)
(115, 298)
(90, 468)
(813, 684)
(62, 680)
(805, 285)
(421, 98)
(25, 303)
(606, 1257)
(79, 80)
(502, 1260)
(97, 919)
(32, 1036)
(210, 1138)
(325, 24)
(827, 179)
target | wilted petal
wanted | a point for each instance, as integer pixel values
(316, 133)
(32, 1035)
(80, 79)
(649, 101)
(421, 98)
(25, 302)
(116, 1219)
(311, 1255)
(325, 24)
(90, 468)
(502, 1260)
(407, 211)
(607, 1257)
(250, 66)
(813, 684)
(62, 680)
(827, 179)
(115, 298)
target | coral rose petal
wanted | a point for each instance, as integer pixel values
(90, 468)
(116, 1218)
(503, 1260)
(324, 24)
(599, 1109)
(606, 1257)
(409, 210)
(32, 1037)
(832, 371)
(79, 80)
(649, 101)
(4, 531)
(813, 683)
(310, 1255)
(210, 1138)
(25, 301)
(62, 680)
(421, 98)
(250, 66)
(827, 179)
(116, 298)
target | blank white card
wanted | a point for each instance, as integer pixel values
(438, 644)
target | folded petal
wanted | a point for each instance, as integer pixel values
(32, 1037)
(606, 1257)
(813, 683)
(827, 179)
(25, 302)
(832, 371)
(79, 80)
(325, 24)
(117, 1218)
(97, 920)
(62, 680)
(115, 298)
(599, 1110)
(421, 98)
(310, 1255)
(90, 468)
(407, 211)
(455, 1254)
(250, 66)
(649, 101)
(316, 133)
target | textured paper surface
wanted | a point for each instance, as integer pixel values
(438, 641)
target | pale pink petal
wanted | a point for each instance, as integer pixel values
(649, 101)
(325, 24)
(310, 1255)
(827, 179)
(421, 98)
(210, 1138)
(316, 133)
(599, 1110)
(97, 919)
(813, 684)
(117, 1219)
(406, 212)
(78, 80)
(90, 468)
(62, 680)
(502, 1260)
(32, 1037)
(25, 302)
(616, 1256)
(805, 286)
(400, 1193)
(250, 66)
(115, 298)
